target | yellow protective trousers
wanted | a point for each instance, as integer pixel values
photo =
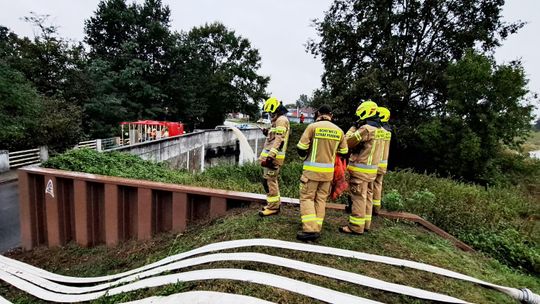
(377, 192)
(273, 199)
(369, 206)
(313, 196)
(359, 197)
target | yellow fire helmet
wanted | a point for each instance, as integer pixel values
(366, 109)
(271, 105)
(384, 114)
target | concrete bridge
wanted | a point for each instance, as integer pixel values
(198, 150)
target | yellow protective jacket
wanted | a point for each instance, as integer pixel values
(383, 164)
(322, 140)
(366, 146)
(275, 145)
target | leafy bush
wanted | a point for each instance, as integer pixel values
(493, 219)
(393, 201)
(507, 245)
(294, 137)
(116, 164)
(239, 178)
(424, 197)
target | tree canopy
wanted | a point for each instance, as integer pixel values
(404, 54)
(214, 72)
(143, 70)
(41, 88)
(130, 66)
(19, 107)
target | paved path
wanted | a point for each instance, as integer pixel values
(8, 176)
(9, 217)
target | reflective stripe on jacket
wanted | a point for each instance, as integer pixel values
(383, 164)
(366, 145)
(277, 139)
(322, 139)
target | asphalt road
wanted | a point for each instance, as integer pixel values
(10, 233)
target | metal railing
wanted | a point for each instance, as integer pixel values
(23, 158)
(99, 144)
(89, 144)
(109, 143)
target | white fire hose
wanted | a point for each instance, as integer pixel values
(524, 295)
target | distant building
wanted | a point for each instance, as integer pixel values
(309, 114)
(237, 115)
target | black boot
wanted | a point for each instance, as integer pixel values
(307, 236)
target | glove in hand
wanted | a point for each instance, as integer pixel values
(268, 163)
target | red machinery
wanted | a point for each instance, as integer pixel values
(145, 130)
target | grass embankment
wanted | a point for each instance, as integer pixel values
(502, 222)
(396, 239)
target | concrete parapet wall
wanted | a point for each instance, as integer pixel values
(4, 161)
(198, 150)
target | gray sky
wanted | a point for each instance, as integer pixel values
(279, 29)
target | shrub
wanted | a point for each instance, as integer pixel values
(507, 245)
(424, 197)
(393, 201)
(491, 219)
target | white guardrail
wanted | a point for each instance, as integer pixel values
(94, 144)
(23, 158)
(99, 144)
(16, 159)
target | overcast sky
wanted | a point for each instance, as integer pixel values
(279, 29)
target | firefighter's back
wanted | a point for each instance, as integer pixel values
(325, 142)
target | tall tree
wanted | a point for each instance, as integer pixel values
(214, 72)
(20, 107)
(302, 101)
(397, 53)
(47, 70)
(53, 64)
(128, 44)
(483, 111)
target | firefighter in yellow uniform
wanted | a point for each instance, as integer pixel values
(318, 146)
(364, 142)
(273, 154)
(384, 115)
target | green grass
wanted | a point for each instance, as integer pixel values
(396, 239)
